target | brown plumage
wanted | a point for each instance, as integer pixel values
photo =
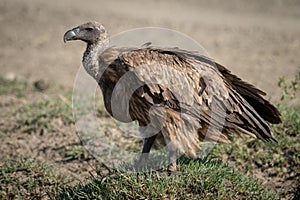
(183, 95)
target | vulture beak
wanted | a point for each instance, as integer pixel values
(71, 34)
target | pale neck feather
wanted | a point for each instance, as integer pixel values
(91, 58)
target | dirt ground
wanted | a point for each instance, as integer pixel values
(257, 40)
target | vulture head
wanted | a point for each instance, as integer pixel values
(91, 33)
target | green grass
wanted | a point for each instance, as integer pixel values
(17, 87)
(29, 179)
(75, 152)
(196, 179)
(40, 114)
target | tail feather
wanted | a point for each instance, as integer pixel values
(253, 96)
(252, 121)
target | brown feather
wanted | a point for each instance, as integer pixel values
(191, 97)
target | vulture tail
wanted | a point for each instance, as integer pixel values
(253, 96)
(252, 121)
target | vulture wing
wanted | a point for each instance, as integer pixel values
(249, 92)
(190, 97)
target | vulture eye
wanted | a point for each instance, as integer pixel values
(89, 29)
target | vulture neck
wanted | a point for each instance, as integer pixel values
(91, 57)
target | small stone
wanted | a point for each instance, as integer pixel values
(41, 85)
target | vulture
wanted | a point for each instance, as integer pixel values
(180, 96)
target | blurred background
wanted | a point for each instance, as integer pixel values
(257, 40)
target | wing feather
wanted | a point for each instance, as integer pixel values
(200, 98)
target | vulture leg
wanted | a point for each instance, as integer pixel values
(147, 144)
(172, 159)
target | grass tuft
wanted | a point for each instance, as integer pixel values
(75, 152)
(17, 87)
(29, 179)
(196, 179)
(40, 115)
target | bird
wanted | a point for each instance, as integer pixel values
(183, 96)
